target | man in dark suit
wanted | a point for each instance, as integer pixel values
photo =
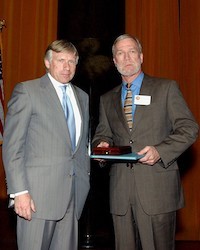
(144, 195)
(47, 168)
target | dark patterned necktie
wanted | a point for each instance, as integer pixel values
(128, 107)
(69, 115)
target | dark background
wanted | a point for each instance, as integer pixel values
(92, 27)
(80, 19)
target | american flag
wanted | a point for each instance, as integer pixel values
(1, 98)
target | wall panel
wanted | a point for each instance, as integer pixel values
(30, 27)
(190, 85)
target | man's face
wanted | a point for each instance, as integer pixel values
(62, 66)
(127, 58)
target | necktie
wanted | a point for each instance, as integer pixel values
(128, 108)
(69, 115)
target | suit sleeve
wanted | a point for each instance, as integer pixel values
(184, 127)
(15, 131)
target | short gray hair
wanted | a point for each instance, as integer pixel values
(60, 46)
(125, 36)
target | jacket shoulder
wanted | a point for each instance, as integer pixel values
(153, 79)
(113, 91)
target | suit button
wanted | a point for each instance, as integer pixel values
(131, 141)
(130, 165)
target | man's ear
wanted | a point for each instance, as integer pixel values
(46, 63)
(114, 61)
(141, 58)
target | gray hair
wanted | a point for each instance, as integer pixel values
(60, 46)
(125, 36)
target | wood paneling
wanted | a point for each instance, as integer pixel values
(190, 84)
(30, 27)
(156, 25)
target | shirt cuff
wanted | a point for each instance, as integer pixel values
(12, 196)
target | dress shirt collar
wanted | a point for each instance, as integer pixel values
(136, 83)
(57, 84)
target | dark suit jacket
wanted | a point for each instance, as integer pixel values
(37, 150)
(167, 124)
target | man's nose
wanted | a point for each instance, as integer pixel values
(66, 65)
(127, 56)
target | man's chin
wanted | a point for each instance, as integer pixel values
(129, 73)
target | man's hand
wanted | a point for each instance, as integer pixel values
(151, 155)
(24, 206)
(103, 144)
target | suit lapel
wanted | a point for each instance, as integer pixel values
(118, 107)
(50, 94)
(146, 89)
(51, 97)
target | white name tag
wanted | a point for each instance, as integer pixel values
(142, 100)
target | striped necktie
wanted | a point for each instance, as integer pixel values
(128, 107)
(69, 115)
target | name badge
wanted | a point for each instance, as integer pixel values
(142, 100)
